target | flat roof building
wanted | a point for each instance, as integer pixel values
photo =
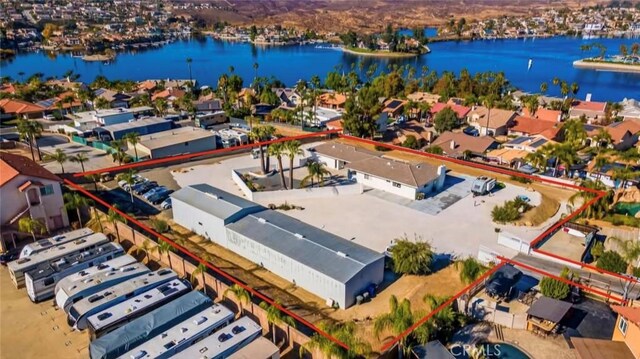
(143, 126)
(324, 264)
(176, 141)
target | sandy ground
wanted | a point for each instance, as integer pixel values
(29, 330)
(374, 222)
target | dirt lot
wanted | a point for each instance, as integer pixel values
(29, 330)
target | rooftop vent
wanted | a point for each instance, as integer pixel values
(342, 254)
(298, 235)
(213, 195)
(262, 220)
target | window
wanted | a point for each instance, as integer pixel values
(622, 325)
(366, 177)
(397, 185)
(46, 190)
(49, 281)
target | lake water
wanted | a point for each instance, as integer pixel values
(551, 57)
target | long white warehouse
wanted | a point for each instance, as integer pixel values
(331, 267)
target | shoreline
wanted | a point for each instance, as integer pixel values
(378, 53)
(98, 57)
(606, 66)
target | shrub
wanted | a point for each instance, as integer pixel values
(612, 261)
(636, 272)
(411, 257)
(160, 225)
(520, 179)
(597, 250)
(381, 148)
(553, 288)
(622, 220)
(436, 150)
(411, 142)
(510, 211)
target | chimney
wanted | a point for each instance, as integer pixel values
(442, 175)
(452, 145)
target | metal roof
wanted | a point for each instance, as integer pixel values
(214, 201)
(549, 309)
(324, 252)
(143, 122)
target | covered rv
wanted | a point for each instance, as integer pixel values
(44, 244)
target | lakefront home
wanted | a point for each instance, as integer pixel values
(457, 144)
(498, 120)
(592, 110)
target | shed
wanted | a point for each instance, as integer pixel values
(143, 126)
(546, 313)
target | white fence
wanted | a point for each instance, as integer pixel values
(289, 195)
(490, 311)
(511, 241)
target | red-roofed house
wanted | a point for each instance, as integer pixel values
(461, 111)
(527, 126)
(18, 108)
(8, 88)
(28, 189)
(543, 114)
(624, 134)
(334, 124)
(593, 111)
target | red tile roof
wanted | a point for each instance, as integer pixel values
(530, 126)
(13, 165)
(589, 106)
(543, 114)
(631, 313)
(7, 88)
(334, 124)
(19, 106)
(461, 111)
(462, 143)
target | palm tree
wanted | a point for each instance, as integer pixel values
(201, 269)
(255, 68)
(488, 101)
(161, 106)
(397, 320)
(316, 171)
(30, 225)
(544, 87)
(598, 164)
(114, 217)
(277, 150)
(599, 208)
(189, 61)
(95, 222)
(74, 201)
(276, 318)
(629, 250)
(163, 248)
(80, 158)
(29, 131)
(119, 154)
(574, 132)
(537, 160)
(241, 294)
(470, 269)
(292, 149)
(58, 156)
(260, 134)
(345, 333)
(130, 178)
(146, 248)
(133, 138)
(602, 137)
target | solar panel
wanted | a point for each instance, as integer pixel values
(394, 104)
(519, 140)
(539, 143)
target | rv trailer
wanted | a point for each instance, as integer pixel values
(44, 244)
(115, 263)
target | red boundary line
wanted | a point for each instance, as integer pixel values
(476, 165)
(209, 265)
(570, 282)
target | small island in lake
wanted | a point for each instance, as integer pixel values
(628, 60)
(390, 43)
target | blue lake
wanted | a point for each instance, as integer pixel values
(551, 57)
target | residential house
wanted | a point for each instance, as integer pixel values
(461, 111)
(494, 122)
(456, 144)
(394, 107)
(543, 114)
(19, 109)
(113, 98)
(337, 155)
(624, 135)
(593, 111)
(8, 88)
(28, 189)
(527, 126)
(332, 100)
(527, 143)
(208, 106)
(630, 109)
(625, 341)
(334, 125)
(170, 94)
(607, 174)
(400, 178)
(416, 130)
(60, 103)
(244, 97)
(288, 97)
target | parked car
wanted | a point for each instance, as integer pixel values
(9, 256)
(153, 191)
(501, 283)
(471, 131)
(166, 204)
(162, 197)
(145, 187)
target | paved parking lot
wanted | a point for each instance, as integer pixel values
(454, 222)
(97, 158)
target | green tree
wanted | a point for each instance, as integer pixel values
(129, 178)
(261, 134)
(292, 149)
(241, 295)
(345, 333)
(553, 288)
(277, 150)
(163, 248)
(411, 142)
(275, 317)
(80, 158)
(161, 106)
(133, 138)
(316, 170)
(30, 225)
(146, 248)
(58, 156)
(159, 225)
(436, 150)
(470, 269)
(629, 250)
(75, 201)
(537, 160)
(445, 120)
(101, 103)
(600, 207)
(612, 261)
(201, 269)
(29, 131)
(114, 217)
(400, 318)
(597, 250)
(411, 257)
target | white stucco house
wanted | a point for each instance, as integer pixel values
(28, 189)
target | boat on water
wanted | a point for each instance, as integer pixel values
(530, 64)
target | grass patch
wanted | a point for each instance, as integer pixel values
(537, 215)
(510, 211)
(622, 220)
